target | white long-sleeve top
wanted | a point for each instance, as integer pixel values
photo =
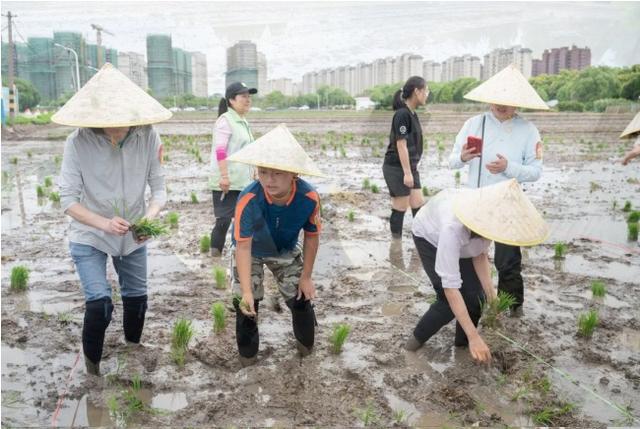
(436, 223)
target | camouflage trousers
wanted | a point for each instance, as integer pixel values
(286, 268)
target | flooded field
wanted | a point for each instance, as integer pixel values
(363, 279)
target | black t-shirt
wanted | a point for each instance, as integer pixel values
(405, 125)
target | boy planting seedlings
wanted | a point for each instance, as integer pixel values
(269, 216)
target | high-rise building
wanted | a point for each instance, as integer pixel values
(242, 64)
(432, 71)
(160, 65)
(262, 72)
(183, 74)
(199, 74)
(498, 59)
(284, 85)
(134, 66)
(557, 59)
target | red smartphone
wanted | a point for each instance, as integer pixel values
(475, 143)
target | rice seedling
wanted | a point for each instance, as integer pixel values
(615, 204)
(48, 182)
(560, 249)
(425, 191)
(634, 217)
(29, 154)
(492, 309)
(205, 243)
(440, 148)
(14, 160)
(40, 191)
(220, 275)
(145, 227)
(548, 415)
(339, 336)
(457, 177)
(627, 206)
(194, 198)
(343, 152)
(374, 188)
(165, 157)
(366, 184)
(351, 215)
(587, 323)
(54, 197)
(64, 318)
(598, 289)
(57, 160)
(399, 416)
(19, 278)
(594, 186)
(218, 314)
(180, 338)
(172, 219)
(632, 229)
(542, 385)
(367, 415)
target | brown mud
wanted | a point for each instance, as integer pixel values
(363, 279)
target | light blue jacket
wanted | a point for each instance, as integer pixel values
(517, 139)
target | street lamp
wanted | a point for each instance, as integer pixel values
(77, 65)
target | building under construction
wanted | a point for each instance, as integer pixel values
(52, 69)
(169, 69)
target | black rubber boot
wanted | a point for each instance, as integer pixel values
(134, 310)
(247, 335)
(97, 316)
(219, 233)
(304, 323)
(395, 223)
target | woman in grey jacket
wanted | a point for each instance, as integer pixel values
(108, 163)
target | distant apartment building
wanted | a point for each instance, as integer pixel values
(432, 71)
(262, 72)
(134, 66)
(242, 64)
(455, 68)
(557, 59)
(498, 59)
(199, 74)
(284, 85)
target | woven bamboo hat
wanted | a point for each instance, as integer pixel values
(509, 87)
(110, 99)
(633, 127)
(277, 149)
(502, 213)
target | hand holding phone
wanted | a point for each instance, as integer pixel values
(474, 143)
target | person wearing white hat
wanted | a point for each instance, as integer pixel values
(632, 130)
(231, 134)
(500, 145)
(452, 234)
(108, 163)
(269, 216)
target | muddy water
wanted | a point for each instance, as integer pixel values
(363, 279)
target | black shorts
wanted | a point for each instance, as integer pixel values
(394, 176)
(227, 206)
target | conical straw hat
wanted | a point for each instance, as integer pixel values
(502, 213)
(508, 88)
(110, 99)
(277, 149)
(633, 127)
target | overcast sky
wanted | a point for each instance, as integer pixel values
(298, 37)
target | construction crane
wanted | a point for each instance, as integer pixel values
(99, 30)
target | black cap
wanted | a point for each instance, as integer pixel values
(238, 88)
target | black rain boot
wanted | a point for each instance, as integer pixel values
(134, 310)
(304, 322)
(395, 223)
(97, 316)
(247, 335)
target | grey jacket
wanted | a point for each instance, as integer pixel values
(111, 181)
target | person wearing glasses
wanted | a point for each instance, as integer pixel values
(400, 167)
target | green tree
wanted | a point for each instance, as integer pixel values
(595, 83)
(631, 89)
(383, 95)
(28, 95)
(275, 99)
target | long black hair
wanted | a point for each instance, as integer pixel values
(223, 106)
(401, 95)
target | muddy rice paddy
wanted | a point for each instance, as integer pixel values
(377, 287)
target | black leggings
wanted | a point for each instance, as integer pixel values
(508, 261)
(439, 313)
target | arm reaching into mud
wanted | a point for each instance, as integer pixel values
(483, 271)
(243, 265)
(477, 347)
(631, 154)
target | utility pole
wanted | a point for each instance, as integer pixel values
(11, 83)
